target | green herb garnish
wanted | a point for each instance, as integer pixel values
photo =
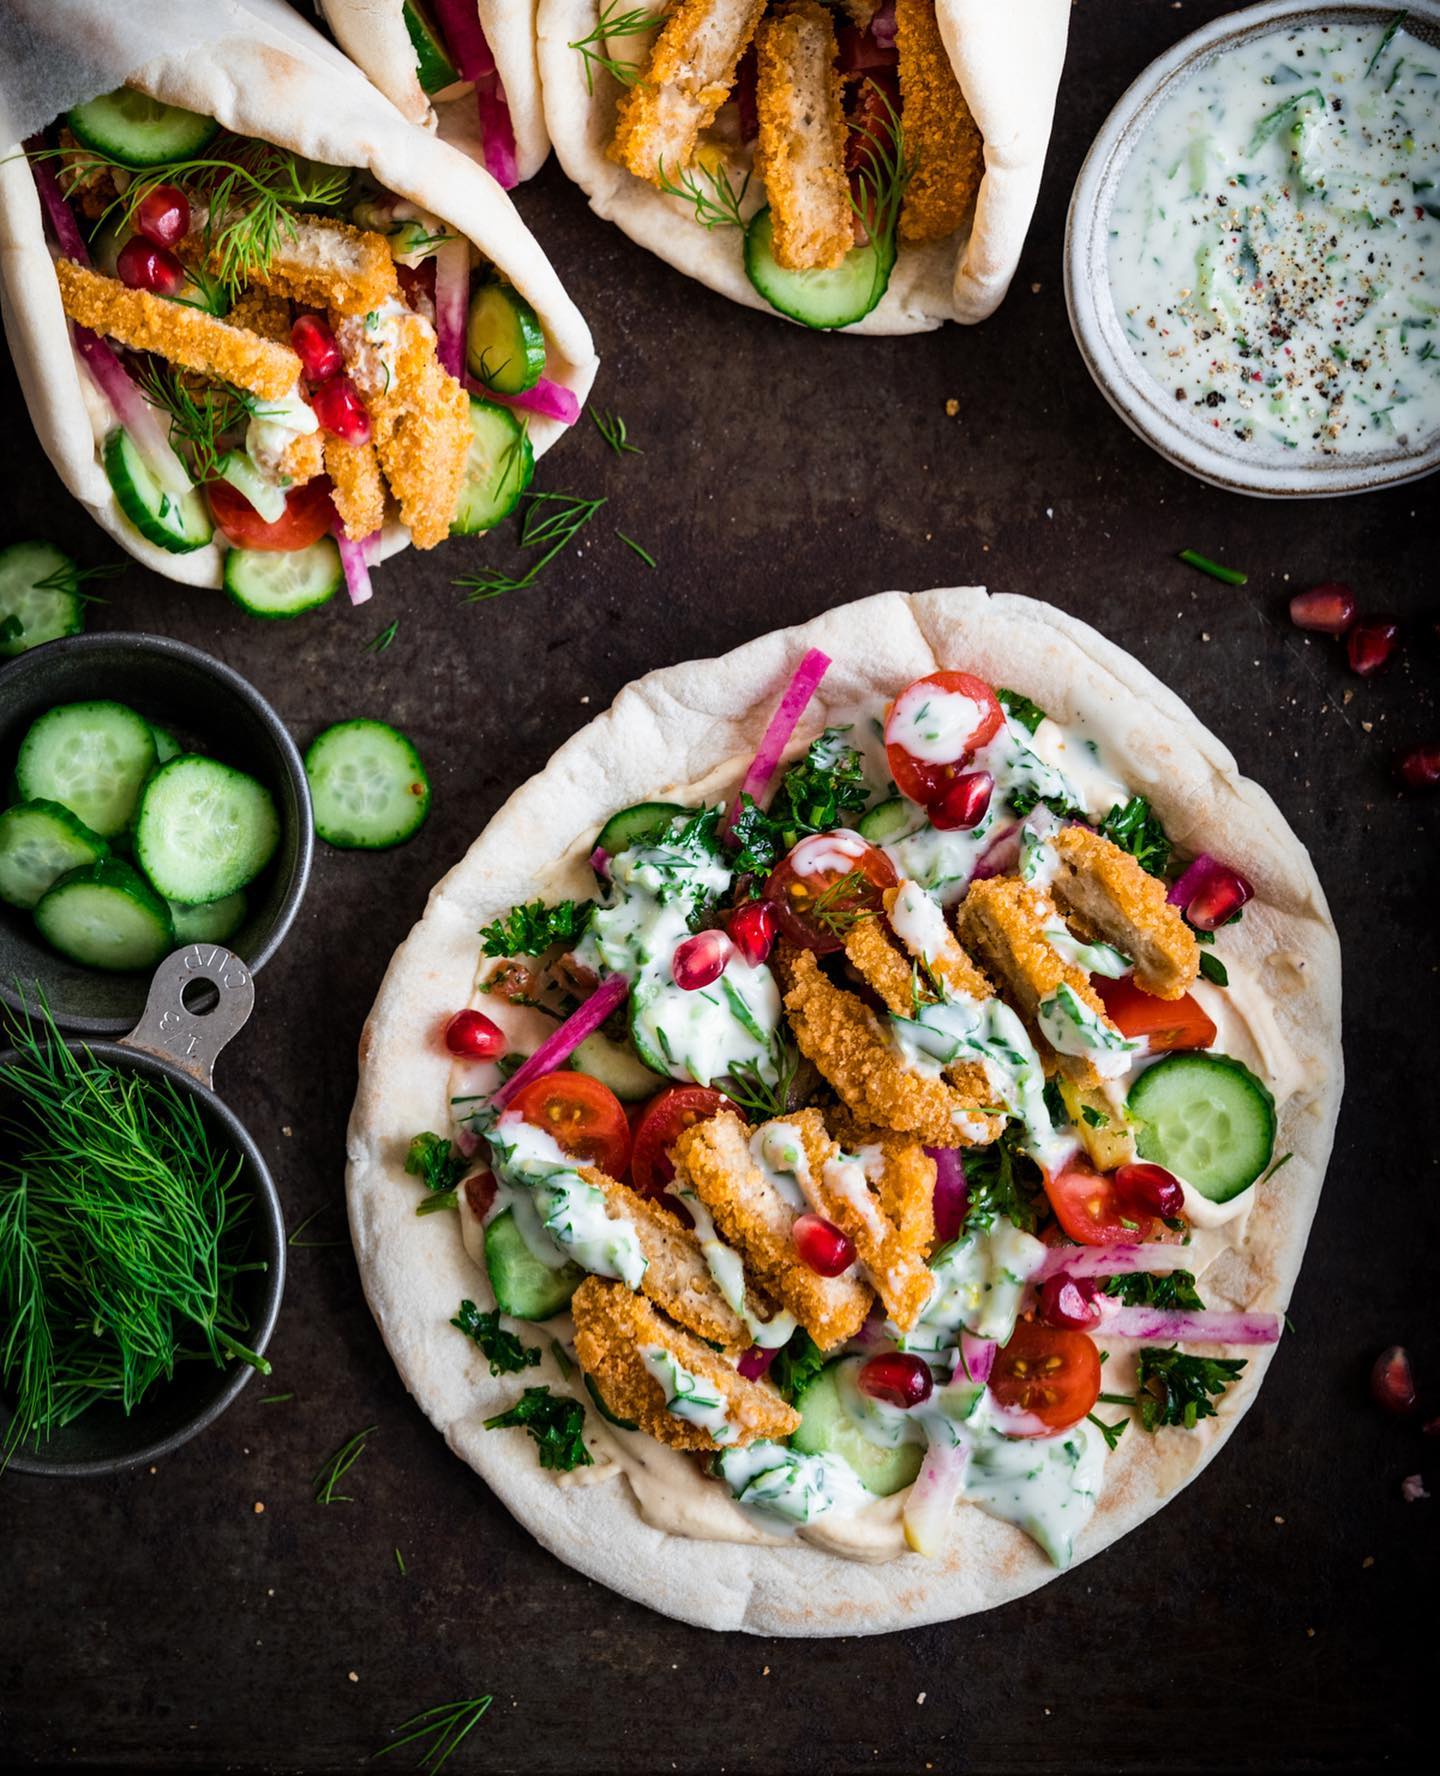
(998, 1182)
(200, 415)
(550, 523)
(1230, 575)
(1135, 827)
(716, 202)
(1385, 42)
(797, 1364)
(433, 1160)
(633, 23)
(1214, 969)
(817, 794)
(338, 1466)
(1141, 1289)
(555, 1422)
(1021, 709)
(379, 643)
(506, 1353)
(301, 1245)
(446, 1727)
(1112, 1433)
(615, 432)
(531, 929)
(631, 544)
(1173, 1389)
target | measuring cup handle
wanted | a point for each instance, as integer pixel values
(192, 1039)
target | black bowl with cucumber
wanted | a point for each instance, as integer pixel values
(152, 799)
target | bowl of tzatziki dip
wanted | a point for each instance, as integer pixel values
(1252, 257)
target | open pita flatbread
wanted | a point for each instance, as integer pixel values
(1007, 60)
(689, 731)
(273, 77)
(373, 34)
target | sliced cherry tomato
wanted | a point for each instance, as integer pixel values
(1089, 1208)
(585, 1118)
(308, 515)
(660, 1124)
(1048, 1372)
(934, 728)
(826, 883)
(1166, 1023)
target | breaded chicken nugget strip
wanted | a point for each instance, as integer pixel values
(422, 434)
(303, 458)
(1105, 894)
(261, 313)
(845, 1041)
(685, 82)
(756, 1218)
(940, 134)
(615, 1331)
(800, 155)
(919, 924)
(185, 336)
(1003, 921)
(881, 1191)
(358, 491)
(317, 260)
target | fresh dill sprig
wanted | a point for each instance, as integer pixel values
(303, 1245)
(379, 643)
(885, 173)
(275, 1399)
(615, 432)
(593, 48)
(338, 1466)
(71, 579)
(199, 416)
(550, 523)
(446, 1726)
(748, 1087)
(717, 207)
(400, 1562)
(631, 544)
(843, 903)
(1230, 576)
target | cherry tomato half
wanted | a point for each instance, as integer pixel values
(1089, 1208)
(1167, 1023)
(585, 1119)
(1049, 1372)
(826, 883)
(934, 727)
(660, 1124)
(308, 515)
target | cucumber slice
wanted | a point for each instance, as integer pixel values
(204, 829)
(500, 466)
(139, 131)
(368, 785)
(613, 1064)
(504, 341)
(267, 497)
(636, 824)
(39, 597)
(177, 524)
(888, 821)
(106, 916)
(821, 299)
(827, 1428)
(92, 758)
(1206, 1118)
(432, 61)
(284, 582)
(524, 1286)
(40, 842)
(212, 922)
(166, 745)
(620, 1424)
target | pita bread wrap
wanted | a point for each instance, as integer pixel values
(1007, 61)
(274, 77)
(688, 732)
(374, 35)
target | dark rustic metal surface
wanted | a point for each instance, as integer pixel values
(1278, 1616)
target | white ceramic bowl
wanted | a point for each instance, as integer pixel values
(1124, 381)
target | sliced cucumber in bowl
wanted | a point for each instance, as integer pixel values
(204, 829)
(92, 758)
(214, 921)
(106, 916)
(39, 843)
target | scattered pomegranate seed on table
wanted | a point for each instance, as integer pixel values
(141, 265)
(1328, 609)
(752, 929)
(1418, 767)
(1392, 1381)
(1370, 644)
(474, 1036)
(1069, 1302)
(821, 1246)
(963, 805)
(897, 1378)
(700, 960)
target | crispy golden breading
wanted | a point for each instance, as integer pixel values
(845, 1041)
(421, 431)
(261, 313)
(940, 133)
(185, 336)
(84, 179)
(612, 1326)
(754, 1217)
(948, 962)
(1003, 921)
(880, 1189)
(880, 965)
(320, 261)
(800, 154)
(303, 458)
(686, 80)
(358, 492)
(1105, 894)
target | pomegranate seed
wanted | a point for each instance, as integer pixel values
(340, 410)
(700, 960)
(1370, 644)
(1217, 900)
(1327, 609)
(1392, 1382)
(320, 356)
(900, 1379)
(1151, 1190)
(821, 1246)
(163, 215)
(752, 929)
(472, 1034)
(1069, 1302)
(1418, 767)
(963, 805)
(480, 1194)
(141, 265)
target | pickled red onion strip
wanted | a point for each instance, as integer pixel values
(1202, 1326)
(756, 1361)
(354, 559)
(952, 1194)
(804, 682)
(1104, 1261)
(497, 132)
(600, 862)
(465, 39)
(552, 400)
(560, 1045)
(459, 22)
(977, 1356)
(452, 302)
(59, 215)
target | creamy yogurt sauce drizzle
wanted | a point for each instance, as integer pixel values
(1275, 241)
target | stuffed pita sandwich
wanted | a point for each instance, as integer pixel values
(869, 164)
(837, 1052)
(466, 67)
(268, 331)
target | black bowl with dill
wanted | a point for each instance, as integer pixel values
(142, 1254)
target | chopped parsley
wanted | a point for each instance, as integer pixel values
(506, 1353)
(1021, 709)
(1173, 1389)
(1143, 1290)
(996, 1186)
(817, 794)
(797, 1365)
(556, 1424)
(1111, 1433)
(1214, 969)
(433, 1160)
(1135, 828)
(531, 929)
(1095, 1119)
